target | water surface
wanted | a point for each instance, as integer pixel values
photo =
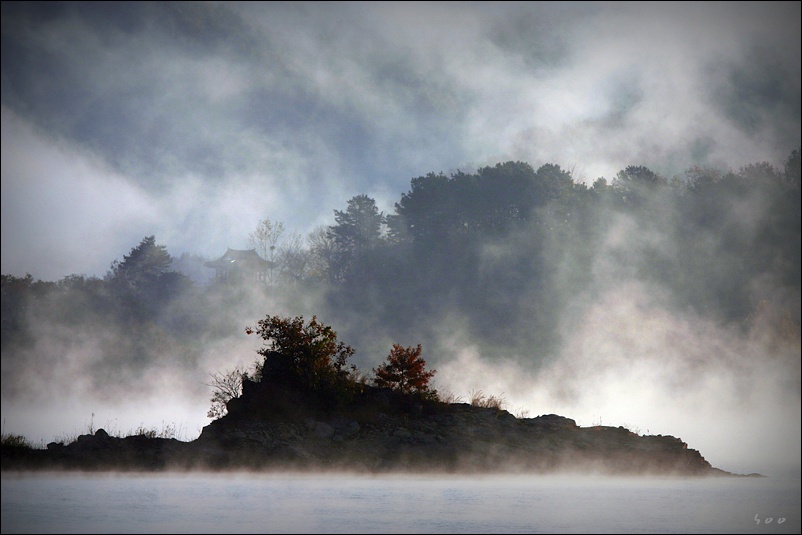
(287, 503)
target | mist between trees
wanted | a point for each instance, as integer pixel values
(508, 260)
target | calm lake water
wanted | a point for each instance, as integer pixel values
(175, 503)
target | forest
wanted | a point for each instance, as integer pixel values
(505, 258)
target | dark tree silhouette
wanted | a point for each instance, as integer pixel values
(145, 263)
(144, 280)
(308, 355)
(357, 232)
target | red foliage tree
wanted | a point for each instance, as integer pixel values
(405, 371)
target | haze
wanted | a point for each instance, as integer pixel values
(193, 122)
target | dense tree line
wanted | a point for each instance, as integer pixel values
(507, 247)
(503, 252)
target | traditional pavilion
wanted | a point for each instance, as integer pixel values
(240, 264)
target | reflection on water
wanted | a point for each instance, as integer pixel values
(344, 503)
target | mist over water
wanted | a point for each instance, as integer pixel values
(587, 329)
(665, 301)
(340, 503)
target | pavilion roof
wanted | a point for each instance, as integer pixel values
(239, 258)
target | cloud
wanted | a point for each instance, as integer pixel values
(63, 209)
(314, 104)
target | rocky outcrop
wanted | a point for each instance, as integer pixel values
(99, 452)
(381, 431)
(459, 438)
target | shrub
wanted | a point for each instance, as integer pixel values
(226, 385)
(307, 356)
(16, 441)
(405, 371)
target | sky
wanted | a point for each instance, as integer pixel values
(194, 121)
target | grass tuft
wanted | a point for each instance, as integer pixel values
(479, 399)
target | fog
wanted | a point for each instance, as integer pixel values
(627, 364)
(343, 503)
(193, 122)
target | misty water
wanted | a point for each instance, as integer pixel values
(171, 503)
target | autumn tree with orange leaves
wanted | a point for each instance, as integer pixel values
(405, 371)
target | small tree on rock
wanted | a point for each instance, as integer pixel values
(308, 355)
(405, 371)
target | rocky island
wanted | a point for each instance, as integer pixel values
(383, 431)
(302, 410)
